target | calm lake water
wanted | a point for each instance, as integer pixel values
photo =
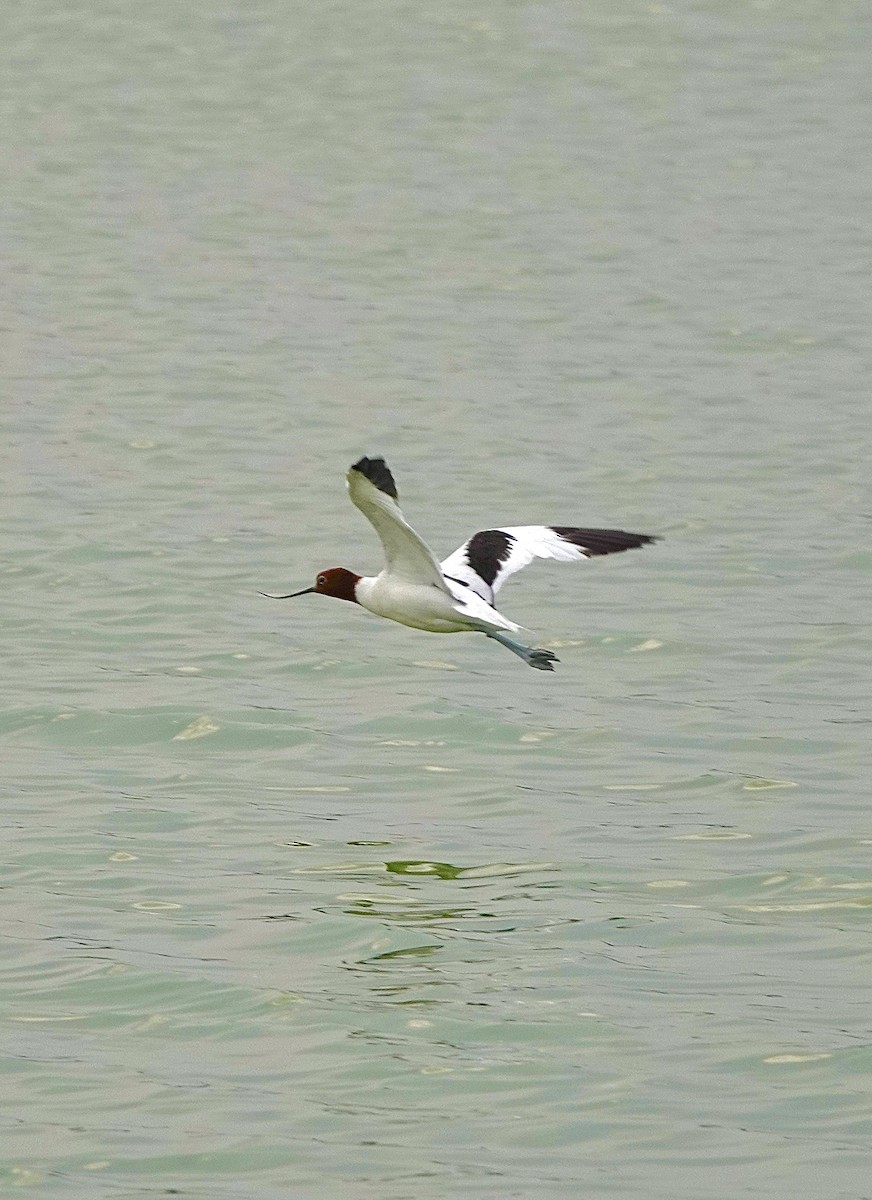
(300, 903)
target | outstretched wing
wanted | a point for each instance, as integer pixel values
(486, 561)
(372, 489)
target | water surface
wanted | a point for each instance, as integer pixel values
(301, 903)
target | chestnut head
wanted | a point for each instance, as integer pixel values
(335, 581)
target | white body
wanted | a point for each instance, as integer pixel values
(429, 606)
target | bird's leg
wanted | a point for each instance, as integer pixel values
(542, 660)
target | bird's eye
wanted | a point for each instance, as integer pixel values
(321, 580)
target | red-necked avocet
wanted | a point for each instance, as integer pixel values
(457, 595)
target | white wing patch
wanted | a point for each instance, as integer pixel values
(471, 604)
(407, 556)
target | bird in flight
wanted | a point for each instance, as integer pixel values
(457, 595)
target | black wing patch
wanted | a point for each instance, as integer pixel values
(487, 551)
(601, 541)
(376, 470)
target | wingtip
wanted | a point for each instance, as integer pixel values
(378, 473)
(594, 542)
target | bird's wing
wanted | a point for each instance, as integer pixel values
(486, 561)
(372, 489)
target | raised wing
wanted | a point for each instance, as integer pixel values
(372, 489)
(486, 561)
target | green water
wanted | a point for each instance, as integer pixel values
(299, 903)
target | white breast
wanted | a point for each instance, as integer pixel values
(421, 606)
(425, 607)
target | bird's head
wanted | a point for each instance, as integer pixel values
(335, 581)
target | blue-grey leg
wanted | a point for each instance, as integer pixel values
(542, 660)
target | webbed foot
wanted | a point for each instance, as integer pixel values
(533, 656)
(542, 660)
